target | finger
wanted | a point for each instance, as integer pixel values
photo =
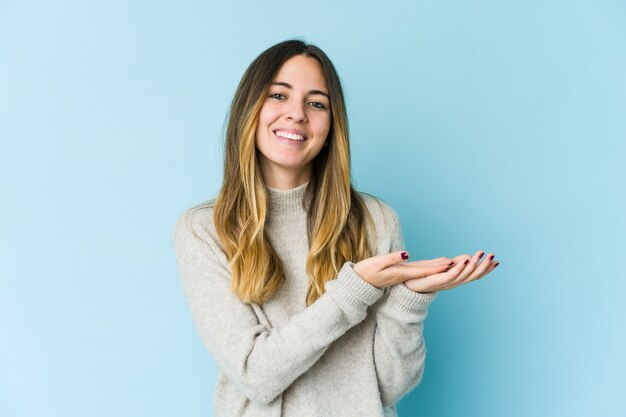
(482, 269)
(470, 266)
(430, 269)
(440, 281)
(405, 271)
(376, 264)
(442, 259)
(428, 262)
(384, 261)
(449, 275)
(491, 267)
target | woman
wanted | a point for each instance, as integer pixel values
(297, 283)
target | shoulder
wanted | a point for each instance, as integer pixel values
(381, 212)
(194, 235)
(386, 231)
(196, 220)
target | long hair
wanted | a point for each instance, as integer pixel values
(336, 214)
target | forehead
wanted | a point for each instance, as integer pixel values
(302, 71)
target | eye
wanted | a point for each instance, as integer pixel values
(277, 96)
(317, 105)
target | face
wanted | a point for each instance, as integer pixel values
(294, 122)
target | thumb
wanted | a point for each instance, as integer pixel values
(379, 262)
(392, 259)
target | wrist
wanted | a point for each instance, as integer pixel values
(417, 292)
(364, 276)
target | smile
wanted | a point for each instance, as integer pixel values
(290, 136)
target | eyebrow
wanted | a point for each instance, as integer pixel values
(289, 86)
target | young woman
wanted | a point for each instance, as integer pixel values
(299, 285)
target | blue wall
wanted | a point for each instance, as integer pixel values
(487, 125)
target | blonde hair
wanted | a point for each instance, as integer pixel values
(337, 215)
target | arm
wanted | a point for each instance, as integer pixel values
(399, 349)
(261, 362)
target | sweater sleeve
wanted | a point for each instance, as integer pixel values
(260, 361)
(399, 349)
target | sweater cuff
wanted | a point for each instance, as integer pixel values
(352, 287)
(409, 300)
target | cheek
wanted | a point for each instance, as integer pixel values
(327, 128)
(322, 124)
(265, 119)
(268, 114)
(262, 120)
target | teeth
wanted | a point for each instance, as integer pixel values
(289, 135)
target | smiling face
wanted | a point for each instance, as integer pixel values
(293, 123)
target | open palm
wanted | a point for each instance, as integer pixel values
(466, 269)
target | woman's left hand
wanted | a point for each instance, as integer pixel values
(466, 269)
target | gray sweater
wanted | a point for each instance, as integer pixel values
(354, 352)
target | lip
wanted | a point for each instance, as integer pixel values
(292, 131)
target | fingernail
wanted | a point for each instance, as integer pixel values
(481, 255)
(491, 258)
(496, 264)
(405, 255)
(466, 261)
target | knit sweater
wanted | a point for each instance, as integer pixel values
(355, 351)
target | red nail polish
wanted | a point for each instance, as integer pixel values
(481, 255)
(405, 255)
(496, 264)
(466, 261)
(491, 258)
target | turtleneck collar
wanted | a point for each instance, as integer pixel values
(283, 202)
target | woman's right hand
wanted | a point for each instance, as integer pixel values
(391, 269)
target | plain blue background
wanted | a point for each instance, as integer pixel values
(485, 124)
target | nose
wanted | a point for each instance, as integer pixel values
(296, 112)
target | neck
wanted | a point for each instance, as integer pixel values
(287, 202)
(285, 179)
